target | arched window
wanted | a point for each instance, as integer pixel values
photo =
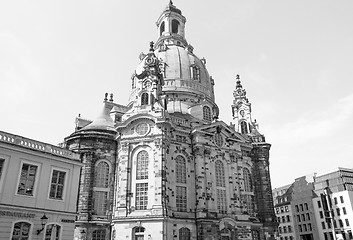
(247, 180)
(220, 178)
(195, 72)
(52, 232)
(98, 234)
(137, 233)
(161, 29)
(21, 231)
(144, 99)
(207, 113)
(175, 26)
(244, 128)
(180, 169)
(184, 234)
(142, 165)
(102, 175)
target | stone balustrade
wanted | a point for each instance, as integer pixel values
(38, 146)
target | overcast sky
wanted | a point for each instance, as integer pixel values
(295, 59)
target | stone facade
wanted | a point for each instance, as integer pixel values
(175, 170)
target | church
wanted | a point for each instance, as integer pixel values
(164, 166)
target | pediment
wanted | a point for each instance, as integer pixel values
(220, 127)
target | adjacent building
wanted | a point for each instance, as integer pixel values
(164, 166)
(38, 189)
(316, 207)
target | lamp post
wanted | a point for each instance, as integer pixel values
(43, 221)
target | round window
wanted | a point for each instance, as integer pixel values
(142, 129)
(218, 140)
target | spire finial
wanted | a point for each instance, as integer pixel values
(111, 97)
(106, 97)
(238, 82)
(151, 46)
(170, 2)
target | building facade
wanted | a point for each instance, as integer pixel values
(173, 170)
(38, 189)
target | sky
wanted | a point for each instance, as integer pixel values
(295, 60)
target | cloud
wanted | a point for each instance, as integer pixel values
(314, 126)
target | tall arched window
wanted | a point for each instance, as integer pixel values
(142, 165)
(207, 113)
(52, 232)
(247, 180)
(175, 26)
(184, 234)
(161, 29)
(220, 178)
(137, 233)
(102, 175)
(144, 99)
(243, 128)
(98, 234)
(180, 169)
(21, 231)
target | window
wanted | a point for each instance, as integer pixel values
(141, 196)
(220, 178)
(323, 225)
(218, 139)
(100, 202)
(283, 219)
(181, 197)
(340, 222)
(298, 218)
(289, 229)
(297, 208)
(180, 169)
(344, 210)
(52, 232)
(310, 228)
(243, 127)
(1, 165)
(307, 216)
(338, 212)
(300, 228)
(303, 217)
(248, 181)
(142, 129)
(306, 206)
(207, 113)
(137, 233)
(347, 222)
(304, 226)
(319, 204)
(57, 185)
(28, 175)
(286, 208)
(335, 200)
(301, 207)
(279, 219)
(102, 175)
(175, 26)
(195, 72)
(142, 165)
(221, 201)
(21, 231)
(98, 234)
(334, 224)
(288, 218)
(341, 198)
(284, 229)
(184, 234)
(144, 99)
(321, 214)
(279, 229)
(161, 29)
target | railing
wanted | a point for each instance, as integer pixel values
(38, 146)
(187, 84)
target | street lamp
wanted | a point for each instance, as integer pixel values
(43, 221)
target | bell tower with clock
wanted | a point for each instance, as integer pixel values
(241, 110)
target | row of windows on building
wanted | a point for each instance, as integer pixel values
(138, 233)
(282, 209)
(335, 201)
(286, 238)
(303, 217)
(301, 207)
(285, 229)
(22, 231)
(338, 212)
(305, 227)
(336, 224)
(283, 219)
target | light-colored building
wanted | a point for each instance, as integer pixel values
(38, 189)
(164, 166)
(333, 205)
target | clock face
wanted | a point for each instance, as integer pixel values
(242, 113)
